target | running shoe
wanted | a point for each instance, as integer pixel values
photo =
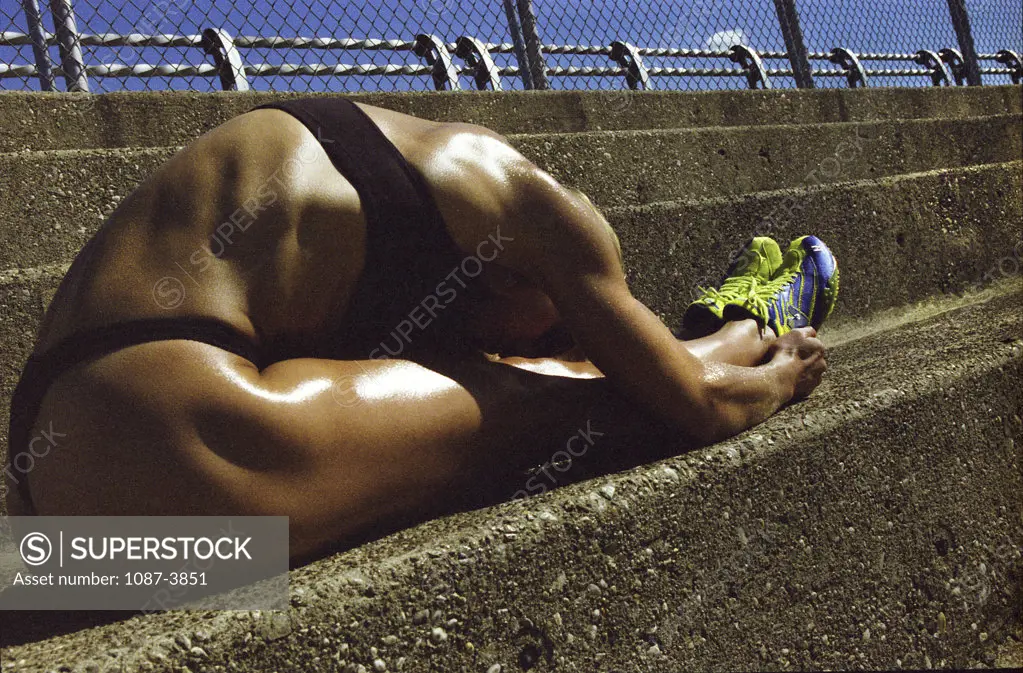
(802, 292)
(752, 267)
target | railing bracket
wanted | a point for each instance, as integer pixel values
(626, 55)
(954, 60)
(854, 73)
(220, 45)
(939, 71)
(751, 63)
(433, 50)
(475, 54)
(1011, 60)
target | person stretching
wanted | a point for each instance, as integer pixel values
(355, 317)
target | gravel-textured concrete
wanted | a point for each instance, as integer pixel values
(875, 525)
(24, 296)
(56, 199)
(79, 121)
(635, 167)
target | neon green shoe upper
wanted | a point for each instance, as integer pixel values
(752, 267)
(802, 293)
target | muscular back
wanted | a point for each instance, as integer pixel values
(251, 224)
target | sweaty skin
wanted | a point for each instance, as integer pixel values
(348, 448)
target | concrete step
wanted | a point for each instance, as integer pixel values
(634, 167)
(898, 240)
(874, 525)
(24, 295)
(56, 199)
(30, 120)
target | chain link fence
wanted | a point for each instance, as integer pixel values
(886, 35)
(682, 45)
(328, 45)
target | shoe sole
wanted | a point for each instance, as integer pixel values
(825, 300)
(698, 318)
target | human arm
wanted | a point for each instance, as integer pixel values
(562, 246)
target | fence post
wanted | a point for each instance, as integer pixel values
(961, 22)
(39, 46)
(538, 69)
(788, 19)
(71, 61)
(517, 41)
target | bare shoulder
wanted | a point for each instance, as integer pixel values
(484, 187)
(482, 184)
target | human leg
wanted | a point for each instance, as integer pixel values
(737, 342)
(345, 449)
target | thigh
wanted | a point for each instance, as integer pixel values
(341, 447)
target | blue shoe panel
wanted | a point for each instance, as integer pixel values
(820, 265)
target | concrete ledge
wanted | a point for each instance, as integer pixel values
(32, 120)
(635, 167)
(56, 199)
(874, 525)
(24, 296)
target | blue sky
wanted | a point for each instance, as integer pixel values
(862, 25)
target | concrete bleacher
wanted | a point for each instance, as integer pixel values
(875, 525)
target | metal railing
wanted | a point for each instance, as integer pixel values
(498, 45)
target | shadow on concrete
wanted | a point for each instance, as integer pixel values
(18, 627)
